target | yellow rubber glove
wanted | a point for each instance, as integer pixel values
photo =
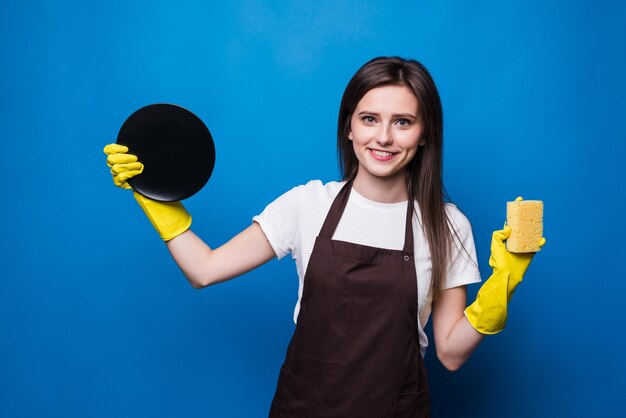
(488, 313)
(170, 219)
(123, 166)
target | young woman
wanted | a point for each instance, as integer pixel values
(375, 253)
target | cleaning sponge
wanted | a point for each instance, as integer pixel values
(525, 217)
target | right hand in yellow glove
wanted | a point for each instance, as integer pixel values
(170, 219)
(488, 313)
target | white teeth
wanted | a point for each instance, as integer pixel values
(382, 153)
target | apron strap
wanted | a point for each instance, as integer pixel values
(335, 211)
(338, 206)
(408, 229)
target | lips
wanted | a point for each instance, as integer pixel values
(380, 155)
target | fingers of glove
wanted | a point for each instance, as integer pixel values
(542, 242)
(125, 168)
(120, 180)
(501, 234)
(518, 198)
(113, 159)
(115, 149)
(127, 175)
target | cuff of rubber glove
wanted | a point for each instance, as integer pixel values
(170, 219)
(178, 231)
(473, 315)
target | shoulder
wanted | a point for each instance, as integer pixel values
(312, 193)
(460, 225)
(318, 187)
(317, 190)
(457, 218)
(329, 190)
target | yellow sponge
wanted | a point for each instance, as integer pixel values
(525, 217)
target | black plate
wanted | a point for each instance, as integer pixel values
(175, 147)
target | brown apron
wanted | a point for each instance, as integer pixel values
(355, 351)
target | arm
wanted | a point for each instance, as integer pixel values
(459, 330)
(488, 313)
(455, 338)
(204, 267)
(201, 265)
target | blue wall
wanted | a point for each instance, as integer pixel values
(95, 318)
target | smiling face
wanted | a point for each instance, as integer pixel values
(386, 130)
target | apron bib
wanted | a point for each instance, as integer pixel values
(355, 350)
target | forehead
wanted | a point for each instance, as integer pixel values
(393, 99)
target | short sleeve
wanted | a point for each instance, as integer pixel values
(279, 221)
(463, 265)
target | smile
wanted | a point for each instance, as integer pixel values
(381, 155)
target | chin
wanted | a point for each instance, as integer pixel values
(383, 174)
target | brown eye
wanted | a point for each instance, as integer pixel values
(368, 120)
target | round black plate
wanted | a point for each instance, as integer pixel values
(175, 147)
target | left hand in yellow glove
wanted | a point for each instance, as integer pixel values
(488, 313)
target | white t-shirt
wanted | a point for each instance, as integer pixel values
(293, 221)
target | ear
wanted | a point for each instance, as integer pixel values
(422, 142)
(350, 136)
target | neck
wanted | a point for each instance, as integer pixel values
(381, 189)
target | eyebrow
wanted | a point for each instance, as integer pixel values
(395, 115)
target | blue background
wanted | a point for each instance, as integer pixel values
(97, 321)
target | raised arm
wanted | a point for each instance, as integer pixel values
(204, 267)
(201, 265)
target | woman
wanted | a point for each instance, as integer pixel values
(374, 253)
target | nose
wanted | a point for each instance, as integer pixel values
(385, 137)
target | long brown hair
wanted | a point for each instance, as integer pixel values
(424, 172)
